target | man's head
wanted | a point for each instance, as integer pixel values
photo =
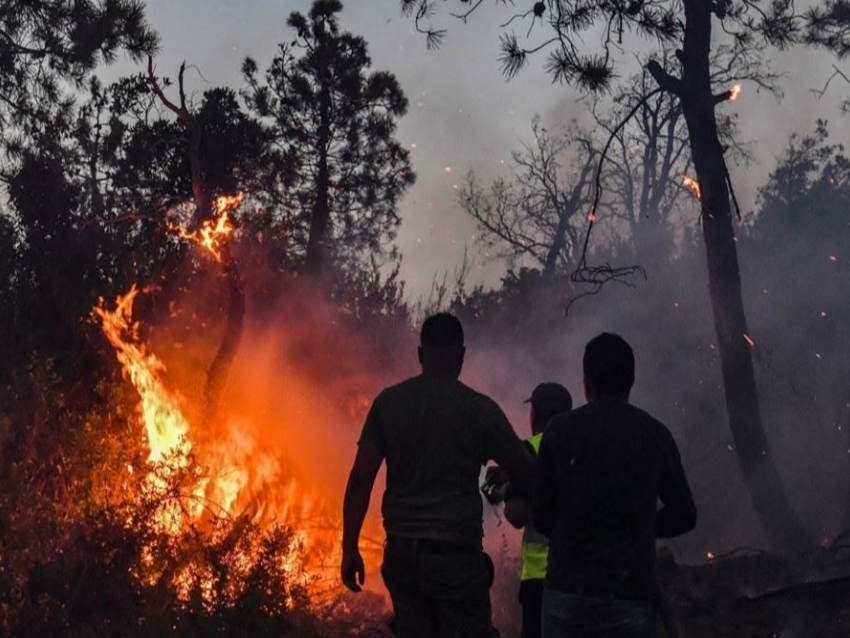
(548, 400)
(441, 349)
(609, 367)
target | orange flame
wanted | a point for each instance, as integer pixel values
(735, 91)
(212, 234)
(237, 477)
(165, 426)
(692, 185)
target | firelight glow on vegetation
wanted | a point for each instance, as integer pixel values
(239, 476)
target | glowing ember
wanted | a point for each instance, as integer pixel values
(447, 169)
(692, 185)
(709, 556)
(592, 217)
(212, 234)
(735, 91)
(749, 340)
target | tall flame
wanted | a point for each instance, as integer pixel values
(165, 425)
(238, 477)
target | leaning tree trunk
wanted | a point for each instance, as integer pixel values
(769, 498)
(220, 366)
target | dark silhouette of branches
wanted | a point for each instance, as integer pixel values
(534, 212)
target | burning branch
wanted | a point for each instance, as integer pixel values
(692, 185)
(211, 235)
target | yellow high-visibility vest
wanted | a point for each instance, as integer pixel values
(535, 546)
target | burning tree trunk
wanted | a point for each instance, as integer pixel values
(694, 90)
(220, 366)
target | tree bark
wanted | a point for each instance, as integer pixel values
(769, 497)
(229, 345)
(566, 209)
(317, 240)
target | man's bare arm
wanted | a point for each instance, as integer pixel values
(355, 505)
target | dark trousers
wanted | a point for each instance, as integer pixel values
(531, 599)
(438, 592)
(573, 616)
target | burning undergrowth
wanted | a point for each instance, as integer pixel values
(181, 519)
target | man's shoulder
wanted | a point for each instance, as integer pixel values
(476, 396)
(650, 422)
(589, 413)
(418, 385)
(396, 391)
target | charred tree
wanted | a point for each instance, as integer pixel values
(221, 363)
(537, 213)
(694, 90)
(644, 170)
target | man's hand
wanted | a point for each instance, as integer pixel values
(495, 475)
(356, 502)
(353, 570)
(495, 484)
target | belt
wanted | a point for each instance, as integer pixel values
(591, 592)
(434, 546)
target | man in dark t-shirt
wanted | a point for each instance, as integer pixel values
(434, 433)
(599, 475)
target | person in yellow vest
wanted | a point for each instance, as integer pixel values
(547, 401)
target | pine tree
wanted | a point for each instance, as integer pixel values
(336, 122)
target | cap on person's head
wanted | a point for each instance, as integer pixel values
(441, 330)
(609, 365)
(550, 399)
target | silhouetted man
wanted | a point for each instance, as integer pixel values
(435, 433)
(598, 478)
(548, 400)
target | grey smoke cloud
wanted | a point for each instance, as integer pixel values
(463, 114)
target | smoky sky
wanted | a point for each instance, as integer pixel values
(463, 113)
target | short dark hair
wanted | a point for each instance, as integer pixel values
(441, 330)
(609, 365)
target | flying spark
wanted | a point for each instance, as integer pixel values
(749, 340)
